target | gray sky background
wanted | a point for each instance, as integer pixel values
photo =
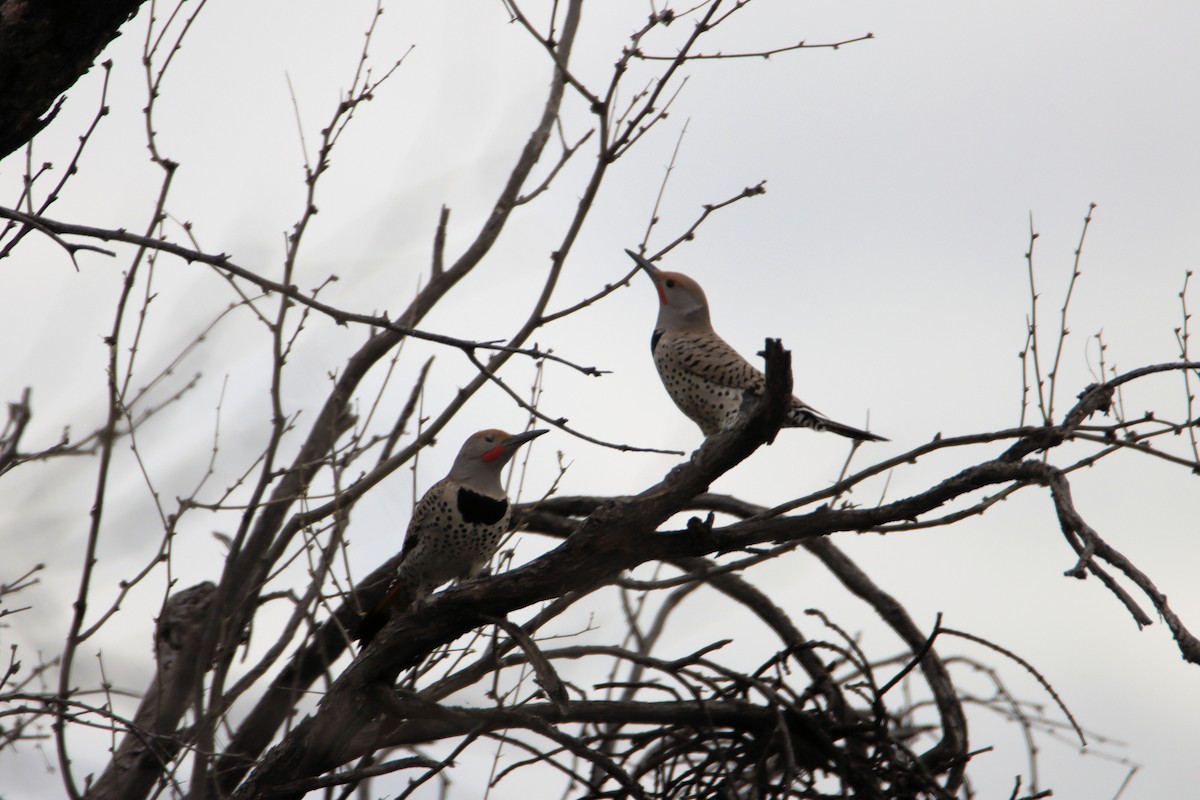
(888, 253)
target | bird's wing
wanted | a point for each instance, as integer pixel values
(711, 358)
(424, 509)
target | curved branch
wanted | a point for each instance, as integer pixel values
(428, 297)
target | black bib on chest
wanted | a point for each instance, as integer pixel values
(654, 337)
(479, 509)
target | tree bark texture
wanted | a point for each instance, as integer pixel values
(45, 47)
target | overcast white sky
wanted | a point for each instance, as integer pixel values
(887, 253)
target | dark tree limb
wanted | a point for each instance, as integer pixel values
(423, 720)
(1095, 547)
(611, 540)
(19, 414)
(267, 535)
(949, 755)
(152, 742)
(310, 661)
(44, 49)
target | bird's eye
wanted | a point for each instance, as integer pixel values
(670, 283)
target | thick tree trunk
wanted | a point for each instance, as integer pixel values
(45, 46)
(140, 760)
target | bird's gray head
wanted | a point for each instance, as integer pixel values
(484, 454)
(681, 301)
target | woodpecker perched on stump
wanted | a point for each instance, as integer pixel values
(702, 373)
(455, 527)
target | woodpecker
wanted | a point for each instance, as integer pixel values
(455, 527)
(702, 373)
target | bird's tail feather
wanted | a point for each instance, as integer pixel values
(804, 417)
(399, 596)
(852, 432)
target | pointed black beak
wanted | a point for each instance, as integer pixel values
(650, 269)
(516, 440)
